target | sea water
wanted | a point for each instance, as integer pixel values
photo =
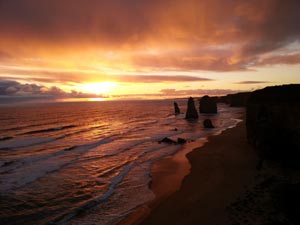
(61, 160)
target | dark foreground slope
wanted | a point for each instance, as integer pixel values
(273, 123)
(273, 128)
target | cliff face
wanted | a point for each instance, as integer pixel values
(239, 99)
(273, 123)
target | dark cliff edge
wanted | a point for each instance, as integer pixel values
(234, 100)
(273, 123)
(273, 129)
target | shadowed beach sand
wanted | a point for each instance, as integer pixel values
(221, 171)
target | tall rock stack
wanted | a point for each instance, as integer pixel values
(273, 123)
(208, 105)
(191, 112)
(176, 108)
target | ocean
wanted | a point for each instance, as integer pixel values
(58, 160)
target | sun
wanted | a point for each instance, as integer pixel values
(101, 88)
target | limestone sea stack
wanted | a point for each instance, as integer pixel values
(191, 112)
(208, 105)
(176, 108)
(208, 124)
(273, 123)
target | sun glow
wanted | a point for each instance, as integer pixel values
(102, 88)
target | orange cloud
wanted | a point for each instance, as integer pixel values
(197, 92)
(89, 40)
(51, 75)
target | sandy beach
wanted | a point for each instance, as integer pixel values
(221, 171)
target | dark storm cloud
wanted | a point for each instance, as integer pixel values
(64, 20)
(9, 88)
(278, 26)
(6, 84)
(289, 59)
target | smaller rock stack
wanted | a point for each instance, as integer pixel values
(208, 124)
(176, 108)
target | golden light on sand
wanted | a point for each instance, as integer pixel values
(100, 88)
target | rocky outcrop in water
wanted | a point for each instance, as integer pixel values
(5, 138)
(191, 110)
(176, 108)
(167, 140)
(181, 141)
(208, 124)
(208, 105)
(273, 123)
(170, 141)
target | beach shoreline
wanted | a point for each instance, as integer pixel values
(169, 170)
(225, 164)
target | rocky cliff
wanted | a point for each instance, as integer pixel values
(273, 123)
(238, 99)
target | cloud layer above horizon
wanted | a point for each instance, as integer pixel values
(95, 39)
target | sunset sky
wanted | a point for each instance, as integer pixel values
(146, 48)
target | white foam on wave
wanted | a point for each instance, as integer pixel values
(36, 167)
(110, 190)
(50, 129)
(127, 191)
(24, 142)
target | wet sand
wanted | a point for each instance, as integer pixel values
(167, 175)
(221, 171)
